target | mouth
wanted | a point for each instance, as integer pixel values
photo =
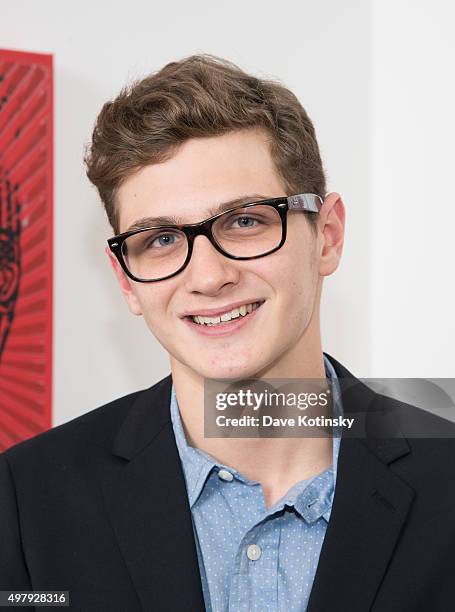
(226, 321)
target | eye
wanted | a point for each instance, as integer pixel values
(245, 221)
(161, 240)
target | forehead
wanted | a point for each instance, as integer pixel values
(203, 173)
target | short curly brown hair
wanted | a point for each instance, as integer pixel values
(199, 96)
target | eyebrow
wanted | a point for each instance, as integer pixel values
(144, 222)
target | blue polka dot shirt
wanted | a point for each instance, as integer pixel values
(253, 558)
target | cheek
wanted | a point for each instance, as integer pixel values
(297, 289)
(299, 260)
(154, 302)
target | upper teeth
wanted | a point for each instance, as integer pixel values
(226, 316)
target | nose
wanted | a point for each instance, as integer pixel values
(209, 270)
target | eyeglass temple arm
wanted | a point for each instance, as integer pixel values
(305, 201)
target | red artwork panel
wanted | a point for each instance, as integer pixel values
(26, 204)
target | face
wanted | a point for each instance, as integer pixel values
(203, 174)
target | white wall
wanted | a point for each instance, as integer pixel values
(411, 197)
(336, 59)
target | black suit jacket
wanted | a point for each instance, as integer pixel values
(99, 507)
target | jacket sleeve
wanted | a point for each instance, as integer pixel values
(13, 569)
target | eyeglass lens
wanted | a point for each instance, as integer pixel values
(246, 232)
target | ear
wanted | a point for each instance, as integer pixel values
(331, 227)
(125, 283)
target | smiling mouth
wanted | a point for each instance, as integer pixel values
(220, 320)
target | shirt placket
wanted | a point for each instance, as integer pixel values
(255, 576)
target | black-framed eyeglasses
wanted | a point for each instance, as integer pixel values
(248, 231)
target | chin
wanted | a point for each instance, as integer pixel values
(222, 365)
(234, 371)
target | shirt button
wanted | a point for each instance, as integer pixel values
(253, 552)
(225, 475)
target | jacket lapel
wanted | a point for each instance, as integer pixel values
(369, 512)
(146, 500)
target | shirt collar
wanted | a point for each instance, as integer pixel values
(316, 499)
(196, 463)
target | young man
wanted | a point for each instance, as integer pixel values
(214, 186)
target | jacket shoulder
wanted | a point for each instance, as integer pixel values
(93, 430)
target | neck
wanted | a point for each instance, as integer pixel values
(277, 463)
